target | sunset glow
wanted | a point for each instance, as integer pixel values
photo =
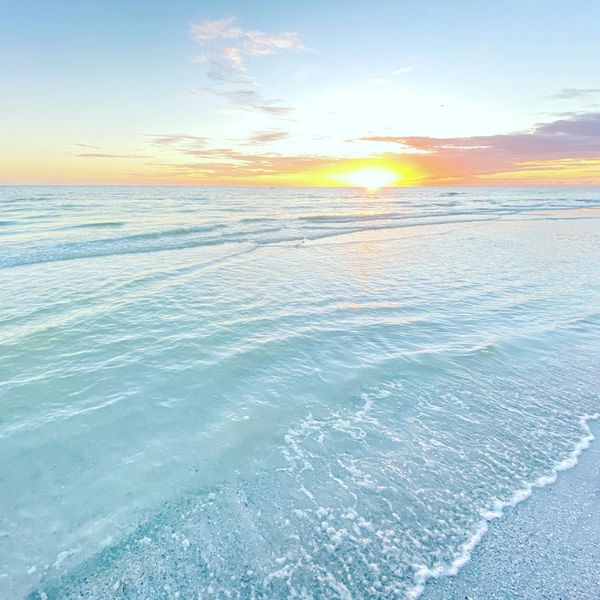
(236, 96)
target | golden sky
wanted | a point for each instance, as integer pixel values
(220, 94)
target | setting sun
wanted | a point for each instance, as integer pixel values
(373, 178)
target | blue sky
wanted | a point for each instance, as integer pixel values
(112, 74)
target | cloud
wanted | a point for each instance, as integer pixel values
(464, 158)
(584, 126)
(576, 94)
(210, 31)
(224, 164)
(563, 150)
(266, 137)
(247, 99)
(262, 44)
(576, 135)
(174, 139)
(225, 48)
(237, 42)
(228, 164)
(388, 78)
(87, 146)
(109, 155)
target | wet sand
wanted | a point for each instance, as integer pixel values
(547, 547)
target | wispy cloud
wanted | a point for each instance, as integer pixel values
(225, 48)
(565, 149)
(576, 94)
(109, 155)
(231, 42)
(247, 99)
(266, 137)
(389, 77)
(176, 138)
(573, 138)
(578, 134)
(79, 145)
(226, 165)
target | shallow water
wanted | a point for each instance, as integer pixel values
(275, 393)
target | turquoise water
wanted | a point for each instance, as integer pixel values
(255, 393)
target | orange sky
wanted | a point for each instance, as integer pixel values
(284, 98)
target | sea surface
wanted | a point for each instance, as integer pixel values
(283, 393)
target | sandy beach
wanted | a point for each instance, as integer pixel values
(545, 547)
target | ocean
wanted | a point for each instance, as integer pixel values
(278, 393)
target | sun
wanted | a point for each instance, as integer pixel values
(370, 178)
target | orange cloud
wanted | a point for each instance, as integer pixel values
(561, 146)
(565, 150)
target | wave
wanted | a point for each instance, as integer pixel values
(180, 239)
(170, 239)
(424, 573)
(97, 225)
(262, 230)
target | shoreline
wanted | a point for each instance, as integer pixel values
(546, 547)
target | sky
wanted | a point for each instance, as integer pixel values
(329, 92)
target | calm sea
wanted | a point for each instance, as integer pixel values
(274, 393)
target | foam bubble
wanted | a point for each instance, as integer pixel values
(424, 573)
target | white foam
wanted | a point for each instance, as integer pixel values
(424, 573)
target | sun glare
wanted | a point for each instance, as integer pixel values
(372, 178)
